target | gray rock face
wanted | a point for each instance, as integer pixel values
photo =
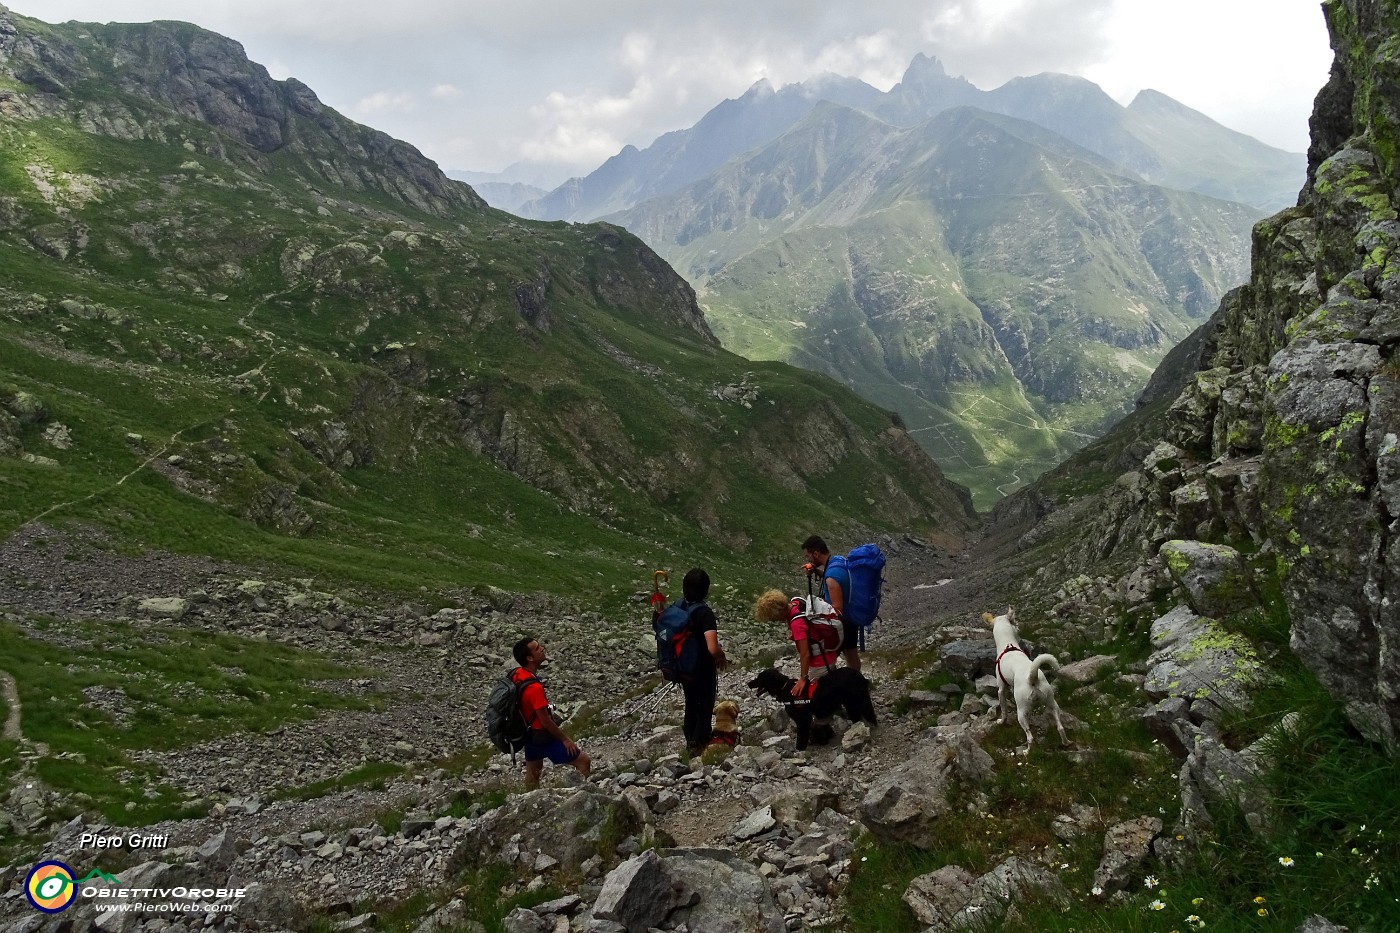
(640, 893)
(952, 898)
(1329, 407)
(906, 802)
(1214, 576)
(1328, 497)
(1125, 847)
(1197, 660)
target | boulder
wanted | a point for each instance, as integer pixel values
(1239, 424)
(1197, 659)
(732, 895)
(1087, 669)
(166, 607)
(571, 825)
(641, 893)
(938, 897)
(219, 851)
(969, 658)
(1125, 847)
(1214, 576)
(1235, 494)
(1320, 924)
(953, 899)
(905, 803)
(1220, 775)
(1191, 506)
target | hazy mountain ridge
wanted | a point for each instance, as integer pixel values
(853, 246)
(1156, 138)
(682, 156)
(1137, 285)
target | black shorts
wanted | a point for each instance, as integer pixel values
(850, 639)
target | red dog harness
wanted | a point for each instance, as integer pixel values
(1011, 647)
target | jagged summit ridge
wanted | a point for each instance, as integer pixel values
(205, 77)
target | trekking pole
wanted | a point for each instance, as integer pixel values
(810, 611)
(652, 704)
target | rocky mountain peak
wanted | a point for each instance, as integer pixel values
(923, 67)
(207, 78)
(1149, 99)
(760, 88)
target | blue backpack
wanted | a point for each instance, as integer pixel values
(865, 565)
(677, 650)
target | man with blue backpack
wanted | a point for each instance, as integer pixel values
(851, 584)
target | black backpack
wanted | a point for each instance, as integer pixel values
(505, 723)
(677, 647)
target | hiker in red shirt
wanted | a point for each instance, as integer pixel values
(546, 739)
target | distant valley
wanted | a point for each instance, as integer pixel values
(1003, 269)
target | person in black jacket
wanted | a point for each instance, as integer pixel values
(702, 687)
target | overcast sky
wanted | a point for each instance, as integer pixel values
(479, 85)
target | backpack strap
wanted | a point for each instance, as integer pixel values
(799, 606)
(520, 686)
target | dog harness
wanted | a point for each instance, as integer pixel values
(1000, 675)
(802, 700)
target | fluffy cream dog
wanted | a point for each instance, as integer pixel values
(1017, 672)
(726, 728)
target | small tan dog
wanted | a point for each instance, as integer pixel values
(1017, 672)
(726, 728)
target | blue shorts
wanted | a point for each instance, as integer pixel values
(553, 749)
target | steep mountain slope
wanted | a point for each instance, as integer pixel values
(232, 321)
(1156, 139)
(1197, 154)
(992, 282)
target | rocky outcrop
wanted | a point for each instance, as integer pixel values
(953, 898)
(1331, 469)
(1288, 435)
(1215, 577)
(205, 77)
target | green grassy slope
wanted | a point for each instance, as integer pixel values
(337, 361)
(985, 278)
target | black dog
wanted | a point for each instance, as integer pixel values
(842, 689)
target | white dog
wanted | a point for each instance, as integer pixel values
(1017, 671)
